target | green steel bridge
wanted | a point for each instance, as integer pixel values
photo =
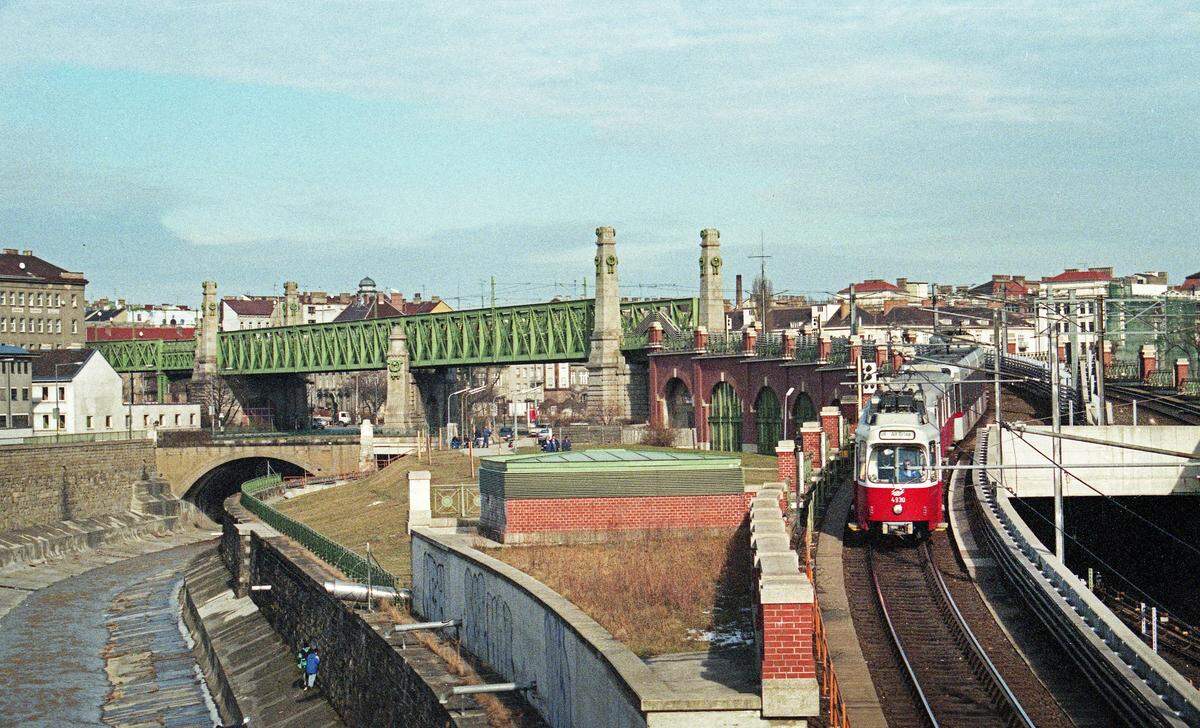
(557, 331)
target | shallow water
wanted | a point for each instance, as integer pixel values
(51, 646)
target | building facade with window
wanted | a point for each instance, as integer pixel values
(76, 391)
(16, 400)
(42, 306)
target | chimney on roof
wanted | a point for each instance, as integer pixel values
(26, 252)
(417, 297)
(844, 308)
(737, 290)
(1102, 269)
(1070, 270)
(891, 303)
(435, 299)
(902, 283)
(1019, 279)
(10, 251)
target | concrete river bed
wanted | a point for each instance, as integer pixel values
(102, 647)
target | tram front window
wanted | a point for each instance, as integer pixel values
(898, 464)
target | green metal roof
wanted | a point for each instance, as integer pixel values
(615, 459)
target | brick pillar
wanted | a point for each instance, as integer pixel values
(855, 351)
(897, 359)
(831, 426)
(420, 511)
(788, 337)
(785, 463)
(700, 339)
(1107, 353)
(850, 411)
(654, 335)
(824, 348)
(811, 437)
(749, 340)
(1181, 372)
(789, 676)
(881, 351)
(1148, 360)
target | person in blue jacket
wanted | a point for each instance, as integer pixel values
(312, 662)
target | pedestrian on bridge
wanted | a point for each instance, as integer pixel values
(312, 662)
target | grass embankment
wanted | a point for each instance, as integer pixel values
(657, 595)
(375, 509)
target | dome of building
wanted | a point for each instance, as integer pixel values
(366, 284)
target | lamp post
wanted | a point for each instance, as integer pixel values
(788, 393)
(514, 408)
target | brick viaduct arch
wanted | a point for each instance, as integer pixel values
(823, 384)
(184, 466)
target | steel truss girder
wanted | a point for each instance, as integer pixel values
(558, 331)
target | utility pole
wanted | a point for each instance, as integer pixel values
(585, 286)
(1102, 409)
(1056, 447)
(854, 314)
(762, 277)
(936, 315)
(996, 363)
(493, 291)
(1073, 330)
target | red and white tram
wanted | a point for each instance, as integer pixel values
(904, 433)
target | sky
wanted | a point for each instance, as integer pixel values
(152, 145)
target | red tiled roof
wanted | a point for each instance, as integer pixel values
(360, 311)
(253, 307)
(873, 285)
(1079, 276)
(126, 333)
(415, 307)
(17, 267)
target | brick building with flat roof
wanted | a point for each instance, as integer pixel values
(42, 306)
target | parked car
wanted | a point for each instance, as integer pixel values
(543, 433)
(344, 418)
(506, 432)
(320, 423)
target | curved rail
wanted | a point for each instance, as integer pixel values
(1006, 701)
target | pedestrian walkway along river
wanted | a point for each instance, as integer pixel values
(101, 647)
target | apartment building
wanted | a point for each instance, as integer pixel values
(42, 306)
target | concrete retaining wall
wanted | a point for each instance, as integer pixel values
(44, 484)
(527, 632)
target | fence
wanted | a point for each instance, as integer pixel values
(811, 507)
(350, 563)
(88, 437)
(458, 500)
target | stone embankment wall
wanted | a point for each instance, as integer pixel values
(44, 484)
(368, 676)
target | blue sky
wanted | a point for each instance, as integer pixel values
(156, 144)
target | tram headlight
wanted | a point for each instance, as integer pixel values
(897, 509)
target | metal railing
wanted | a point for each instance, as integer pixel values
(115, 436)
(813, 504)
(1123, 371)
(768, 345)
(346, 560)
(1161, 379)
(457, 500)
(724, 343)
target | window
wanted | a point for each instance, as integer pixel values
(897, 464)
(3, 326)
(41, 299)
(87, 422)
(58, 326)
(145, 420)
(24, 394)
(22, 325)
(177, 420)
(74, 300)
(62, 394)
(192, 419)
(45, 393)
(22, 294)
(74, 327)
(20, 421)
(62, 422)
(45, 422)
(3, 421)
(108, 422)
(128, 422)
(3, 298)
(41, 324)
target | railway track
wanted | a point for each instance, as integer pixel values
(1168, 405)
(951, 677)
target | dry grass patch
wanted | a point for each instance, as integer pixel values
(657, 595)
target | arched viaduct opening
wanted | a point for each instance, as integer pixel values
(211, 489)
